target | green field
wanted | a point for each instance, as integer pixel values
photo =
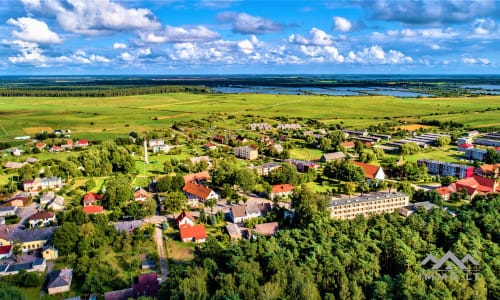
(105, 118)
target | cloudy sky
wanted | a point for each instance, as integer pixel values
(40, 37)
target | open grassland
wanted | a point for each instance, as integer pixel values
(104, 118)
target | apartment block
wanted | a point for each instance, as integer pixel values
(367, 205)
(447, 169)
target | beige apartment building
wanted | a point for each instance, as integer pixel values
(367, 205)
(246, 152)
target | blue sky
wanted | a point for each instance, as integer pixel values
(41, 37)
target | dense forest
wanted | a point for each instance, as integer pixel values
(376, 258)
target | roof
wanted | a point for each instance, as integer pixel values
(13, 165)
(124, 294)
(196, 232)
(489, 168)
(347, 144)
(233, 229)
(197, 176)
(184, 214)
(39, 234)
(7, 208)
(369, 169)
(82, 142)
(93, 209)
(92, 197)
(60, 278)
(5, 249)
(41, 215)
(426, 205)
(477, 183)
(6, 230)
(267, 228)
(334, 155)
(147, 285)
(197, 190)
(128, 226)
(466, 145)
(140, 193)
(366, 198)
(443, 191)
(282, 188)
(238, 211)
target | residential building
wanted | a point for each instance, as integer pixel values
(42, 219)
(47, 197)
(280, 191)
(476, 185)
(445, 193)
(92, 198)
(267, 229)
(332, 156)
(19, 200)
(40, 145)
(33, 239)
(55, 148)
(160, 148)
(38, 184)
(210, 146)
(140, 195)
(37, 265)
(195, 233)
(5, 232)
(81, 144)
(367, 205)
(260, 126)
(347, 145)
(301, 165)
(239, 213)
(464, 147)
(372, 172)
(278, 148)
(475, 154)
(50, 253)
(246, 152)
(219, 138)
(5, 251)
(488, 170)
(288, 126)
(197, 177)
(265, 169)
(185, 218)
(156, 142)
(197, 192)
(447, 169)
(56, 204)
(13, 165)
(464, 140)
(233, 230)
(6, 211)
(93, 209)
(59, 281)
(199, 159)
(68, 145)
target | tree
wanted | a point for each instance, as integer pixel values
(443, 140)
(175, 201)
(66, 238)
(211, 203)
(118, 192)
(89, 184)
(447, 180)
(492, 156)
(409, 148)
(246, 179)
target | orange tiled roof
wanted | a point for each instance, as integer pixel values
(197, 190)
(282, 188)
(184, 214)
(370, 170)
(93, 209)
(195, 232)
(197, 176)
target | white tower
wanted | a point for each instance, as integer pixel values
(145, 151)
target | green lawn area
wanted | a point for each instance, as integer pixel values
(305, 153)
(116, 116)
(447, 155)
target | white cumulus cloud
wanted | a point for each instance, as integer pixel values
(376, 55)
(119, 46)
(341, 24)
(484, 26)
(317, 37)
(33, 30)
(172, 34)
(30, 53)
(248, 24)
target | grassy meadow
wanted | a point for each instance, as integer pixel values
(105, 118)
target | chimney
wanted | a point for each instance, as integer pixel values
(146, 151)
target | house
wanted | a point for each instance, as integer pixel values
(124, 294)
(266, 229)
(59, 281)
(198, 192)
(49, 252)
(260, 126)
(47, 197)
(38, 184)
(31, 160)
(41, 219)
(33, 239)
(301, 165)
(37, 265)
(93, 209)
(195, 233)
(411, 209)
(68, 145)
(156, 142)
(197, 177)
(185, 218)
(19, 200)
(140, 195)
(239, 213)
(5, 231)
(246, 152)
(278, 148)
(17, 152)
(13, 165)
(92, 199)
(233, 230)
(372, 172)
(81, 144)
(332, 156)
(210, 146)
(199, 159)
(40, 145)
(445, 193)
(367, 205)
(147, 285)
(6, 211)
(128, 226)
(288, 126)
(55, 148)
(476, 154)
(476, 185)
(464, 147)
(57, 203)
(347, 145)
(5, 251)
(241, 139)
(265, 169)
(161, 148)
(219, 138)
(488, 170)
(280, 191)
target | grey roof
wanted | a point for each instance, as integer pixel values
(128, 226)
(253, 209)
(40, 234)
(7, 208)
(60, 278)
(426, 204)
(366, 198)
(233, 229)
(334, 155)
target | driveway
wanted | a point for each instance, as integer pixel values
(26, 212)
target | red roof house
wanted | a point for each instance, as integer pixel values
(347, 144)
(200, 176)
(184, 218)
(82, 143)
(5, 251)
(476, 185)
(371, 171)
(281, 190)
(445, 192)
(199, 192)
(40, 145)
(93, 209)
(196, 233)
(91, 198)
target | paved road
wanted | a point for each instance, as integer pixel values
(161, 252)
(26, 213)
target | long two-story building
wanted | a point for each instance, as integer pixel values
(367, 205)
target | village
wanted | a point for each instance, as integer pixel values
(181, 187)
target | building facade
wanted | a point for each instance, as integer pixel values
(447, 169)
(367, 205)
(246, 152)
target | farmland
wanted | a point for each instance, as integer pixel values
(106, 118)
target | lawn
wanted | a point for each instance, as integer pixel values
(113, 116)
(305, 153)
(447, 155)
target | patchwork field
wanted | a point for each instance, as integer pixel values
(104, 118)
